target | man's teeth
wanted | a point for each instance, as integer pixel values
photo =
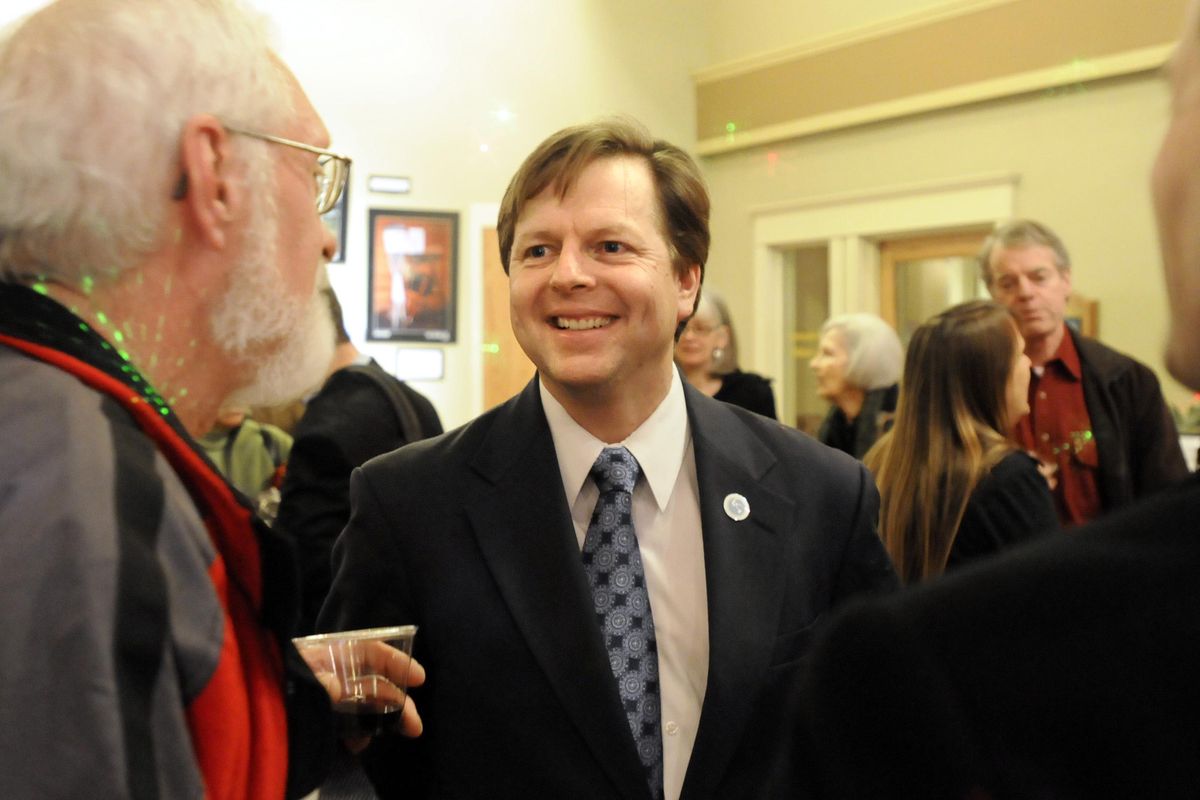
(582, 324)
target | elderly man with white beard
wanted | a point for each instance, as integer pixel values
(161, 179)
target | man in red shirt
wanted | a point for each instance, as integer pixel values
(1097, 418)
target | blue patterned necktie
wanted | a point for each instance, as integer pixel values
(614, 564)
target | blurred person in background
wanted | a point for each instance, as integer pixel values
(251, 454)
(953, 487)
(857, 367)
(708, 355)
(1097, 417)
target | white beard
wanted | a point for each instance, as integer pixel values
(284, 345)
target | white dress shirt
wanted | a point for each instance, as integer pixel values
(666, 519)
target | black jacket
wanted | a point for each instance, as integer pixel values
(1136, 439)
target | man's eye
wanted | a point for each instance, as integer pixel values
(537, 251)
(612, 247)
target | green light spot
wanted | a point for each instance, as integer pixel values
(118, 336)
(123, 354)
(100, 316)
(731, 127)
(106, 346)
(40, 288)
(88, 284)
(83, 326)
(166, 412)
(491, 348)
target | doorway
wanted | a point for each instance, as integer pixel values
(922, 276)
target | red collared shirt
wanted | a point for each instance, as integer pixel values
(1058, 430)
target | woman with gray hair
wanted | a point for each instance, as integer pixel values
(857, 366)
(707, 354)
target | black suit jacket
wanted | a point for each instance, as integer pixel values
(469, 536)
(1067, 669)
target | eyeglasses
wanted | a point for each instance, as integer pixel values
(335, 168)
(697, 328)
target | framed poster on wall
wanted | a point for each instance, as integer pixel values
(411, 283)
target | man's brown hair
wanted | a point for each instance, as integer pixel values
(558, 161)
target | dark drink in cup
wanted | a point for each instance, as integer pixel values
(366, 675)
(362, 716)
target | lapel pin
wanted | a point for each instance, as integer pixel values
(737, 508)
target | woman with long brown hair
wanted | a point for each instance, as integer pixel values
(953, 486)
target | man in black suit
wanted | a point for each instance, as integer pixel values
(747, 532)
(1063, 670)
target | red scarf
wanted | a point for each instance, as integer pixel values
(238, 723)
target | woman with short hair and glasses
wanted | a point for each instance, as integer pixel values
(707, 354)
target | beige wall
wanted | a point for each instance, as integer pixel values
(748, 28)
(1082, 155)
(413, 89)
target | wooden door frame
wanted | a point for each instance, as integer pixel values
(953, 244)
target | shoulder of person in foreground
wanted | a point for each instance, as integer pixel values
(1012, 503)
(1065, 668)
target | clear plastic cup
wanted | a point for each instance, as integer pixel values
(365, 673)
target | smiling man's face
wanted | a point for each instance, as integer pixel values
(594, 297)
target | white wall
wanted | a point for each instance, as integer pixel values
(415, 89)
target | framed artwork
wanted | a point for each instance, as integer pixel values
(335, 220)
(411, 284)
(1083, 314)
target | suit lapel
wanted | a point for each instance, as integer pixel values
(523, 526)
(743, 563)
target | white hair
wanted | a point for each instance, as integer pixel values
(93, 97)
(874, 355)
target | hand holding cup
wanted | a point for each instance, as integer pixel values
(367, 674)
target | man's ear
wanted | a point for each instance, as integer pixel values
(689, 287)
(210, 193)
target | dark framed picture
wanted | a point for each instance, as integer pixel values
(335, 220)
(413, 268)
